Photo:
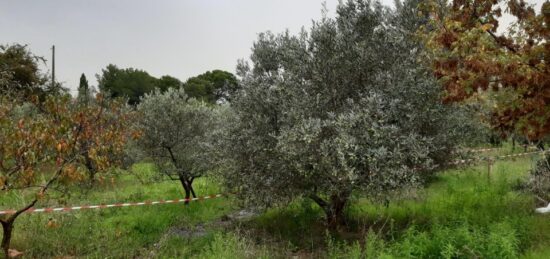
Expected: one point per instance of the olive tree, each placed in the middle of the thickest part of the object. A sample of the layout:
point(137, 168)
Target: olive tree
point(346, 107)
point(173, 129)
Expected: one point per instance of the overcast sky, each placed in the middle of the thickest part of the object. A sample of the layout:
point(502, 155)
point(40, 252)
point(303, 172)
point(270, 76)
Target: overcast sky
point(182, 38)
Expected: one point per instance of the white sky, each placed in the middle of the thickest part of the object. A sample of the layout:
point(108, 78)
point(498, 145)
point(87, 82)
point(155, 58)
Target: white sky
point(181, 38)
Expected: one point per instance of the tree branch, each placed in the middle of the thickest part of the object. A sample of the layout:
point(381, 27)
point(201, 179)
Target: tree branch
point(322, 203)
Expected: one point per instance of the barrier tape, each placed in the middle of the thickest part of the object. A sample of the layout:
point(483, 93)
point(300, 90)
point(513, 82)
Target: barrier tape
point(520, 154)
point(115, 205)
point(464, 161)
point(480, 150)
point(132, 204)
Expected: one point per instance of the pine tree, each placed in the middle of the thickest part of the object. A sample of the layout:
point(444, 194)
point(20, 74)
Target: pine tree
point(83, 90)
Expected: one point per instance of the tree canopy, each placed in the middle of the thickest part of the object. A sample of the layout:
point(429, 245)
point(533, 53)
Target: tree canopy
point(173, 129)
point(83, 84)
point(344, 107)
point(19, 72)
point(129, 83)
point(84, 92)
point(166, 82)
point(41, 147)
point(470, 56)
point(213, 86)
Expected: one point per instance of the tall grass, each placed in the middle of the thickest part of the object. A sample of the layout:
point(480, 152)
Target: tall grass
point(462, 214)
point(231, 245)
point(114, 232)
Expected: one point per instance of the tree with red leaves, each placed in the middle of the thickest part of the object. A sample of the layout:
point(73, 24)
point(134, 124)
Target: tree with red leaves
point(471, 57)
point(44, 145)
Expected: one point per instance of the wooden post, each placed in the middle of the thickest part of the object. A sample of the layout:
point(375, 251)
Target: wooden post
point(53, 67)
point(489, 166)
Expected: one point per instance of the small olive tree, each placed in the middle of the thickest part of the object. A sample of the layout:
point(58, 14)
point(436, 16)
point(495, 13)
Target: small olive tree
point(344, 107)
point(173, 130)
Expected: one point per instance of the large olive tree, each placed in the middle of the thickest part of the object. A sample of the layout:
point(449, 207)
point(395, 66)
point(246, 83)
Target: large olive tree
point(173, 130)
point(342, 108)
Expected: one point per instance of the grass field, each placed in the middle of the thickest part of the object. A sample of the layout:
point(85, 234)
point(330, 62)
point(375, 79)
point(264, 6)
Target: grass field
point(463, 213)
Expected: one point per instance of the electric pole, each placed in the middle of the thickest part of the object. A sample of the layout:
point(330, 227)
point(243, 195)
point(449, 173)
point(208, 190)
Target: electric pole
point(53, 67)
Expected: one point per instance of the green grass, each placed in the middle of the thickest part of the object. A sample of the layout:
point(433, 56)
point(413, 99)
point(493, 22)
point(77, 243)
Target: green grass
point(216, 244)
point(463, 213)
point(115, 232)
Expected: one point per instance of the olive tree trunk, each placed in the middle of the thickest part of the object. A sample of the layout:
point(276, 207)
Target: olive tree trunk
point(187, 184)
point(333, 208)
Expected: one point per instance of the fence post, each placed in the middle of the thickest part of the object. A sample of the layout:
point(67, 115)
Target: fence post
point(489, 166)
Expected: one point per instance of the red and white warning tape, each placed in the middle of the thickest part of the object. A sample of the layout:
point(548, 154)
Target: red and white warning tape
point(103, 206)
point(520, 154)
point(479, 150)
point(464, 161)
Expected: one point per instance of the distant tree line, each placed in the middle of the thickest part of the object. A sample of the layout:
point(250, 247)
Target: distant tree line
point(20, 73)
point(214, 86)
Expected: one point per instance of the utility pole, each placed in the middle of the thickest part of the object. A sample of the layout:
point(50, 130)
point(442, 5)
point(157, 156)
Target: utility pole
point(53, 67)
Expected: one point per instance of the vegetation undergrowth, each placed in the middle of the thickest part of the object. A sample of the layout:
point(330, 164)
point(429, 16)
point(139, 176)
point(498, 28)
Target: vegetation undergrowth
point(115, 232)
point(463, 213)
